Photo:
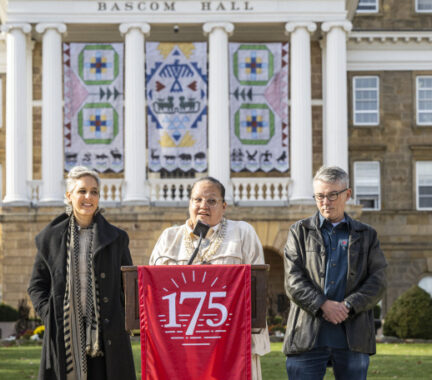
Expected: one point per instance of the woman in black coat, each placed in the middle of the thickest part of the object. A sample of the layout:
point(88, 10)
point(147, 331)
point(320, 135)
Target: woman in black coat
point(76, 289)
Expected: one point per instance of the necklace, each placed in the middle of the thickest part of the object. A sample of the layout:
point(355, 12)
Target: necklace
point(209, 250)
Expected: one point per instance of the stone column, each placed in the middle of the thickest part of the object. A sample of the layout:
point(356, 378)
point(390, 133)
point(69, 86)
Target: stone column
point(135, 121)
point(335, 131)
point(16, 114)
point(301, 111)
point(218, 104)
point(52, 113)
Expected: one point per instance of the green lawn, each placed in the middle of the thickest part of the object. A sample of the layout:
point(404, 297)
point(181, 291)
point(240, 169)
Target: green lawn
point(393, 361)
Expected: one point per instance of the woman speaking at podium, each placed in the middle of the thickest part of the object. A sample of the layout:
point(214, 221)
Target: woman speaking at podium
point(226, 242)
point(76, 289)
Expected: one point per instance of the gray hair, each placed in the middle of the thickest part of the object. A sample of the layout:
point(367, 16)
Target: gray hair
point(332, 174)
point(74, 175)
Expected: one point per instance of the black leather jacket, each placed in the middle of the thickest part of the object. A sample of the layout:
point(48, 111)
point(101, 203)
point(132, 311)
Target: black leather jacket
point(305, 265)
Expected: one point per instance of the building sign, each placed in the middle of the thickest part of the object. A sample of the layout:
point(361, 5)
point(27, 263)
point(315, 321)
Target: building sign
point(172, 6)
point(175, 11)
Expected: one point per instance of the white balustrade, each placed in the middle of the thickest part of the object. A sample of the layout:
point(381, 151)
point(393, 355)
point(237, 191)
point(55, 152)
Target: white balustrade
point(260, 191)
point(34, 189)
point(111, 190)
point(175, 192)
point(170, 192)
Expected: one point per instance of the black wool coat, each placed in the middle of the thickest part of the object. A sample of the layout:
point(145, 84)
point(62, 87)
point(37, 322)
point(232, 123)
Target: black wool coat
point(47, 289)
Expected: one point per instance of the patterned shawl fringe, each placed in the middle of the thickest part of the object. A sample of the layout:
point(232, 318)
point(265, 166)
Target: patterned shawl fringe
point(81, 338)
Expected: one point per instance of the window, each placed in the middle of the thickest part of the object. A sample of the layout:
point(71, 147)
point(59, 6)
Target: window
point(367, 6)
point(424, 100)
point(426, 284)
point(365, 100)
point(424, 185)
point(367, 184)
point(423, 5)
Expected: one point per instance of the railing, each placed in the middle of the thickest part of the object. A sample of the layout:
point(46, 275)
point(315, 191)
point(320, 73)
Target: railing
point(261, 191)
point(111, 190)
point(34, 190)
point(175, 192)
point(170, 192)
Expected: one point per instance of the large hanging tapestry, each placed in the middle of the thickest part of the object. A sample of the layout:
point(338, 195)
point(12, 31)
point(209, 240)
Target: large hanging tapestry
point(177, 106)
point(93, 110)
point(259, 107)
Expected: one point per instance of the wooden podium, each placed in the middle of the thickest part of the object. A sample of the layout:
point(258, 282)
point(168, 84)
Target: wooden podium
point(258, 296)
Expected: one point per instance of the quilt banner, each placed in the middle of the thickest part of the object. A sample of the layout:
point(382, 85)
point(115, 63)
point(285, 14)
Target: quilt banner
point(195, 322)
point(93, 106)
point(259, 107)
point(177, 106)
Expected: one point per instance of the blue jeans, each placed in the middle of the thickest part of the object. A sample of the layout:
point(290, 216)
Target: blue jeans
point(311, 365)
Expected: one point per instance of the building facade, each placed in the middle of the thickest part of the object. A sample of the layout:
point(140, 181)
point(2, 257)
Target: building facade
point(360, 97)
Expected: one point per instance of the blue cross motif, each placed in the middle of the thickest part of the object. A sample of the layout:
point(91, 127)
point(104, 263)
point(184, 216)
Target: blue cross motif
point(254, 124)
point(98, 64)
point(253, 65)
point(98, 123)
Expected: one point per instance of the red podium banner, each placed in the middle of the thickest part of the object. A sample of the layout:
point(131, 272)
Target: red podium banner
point(195, 322)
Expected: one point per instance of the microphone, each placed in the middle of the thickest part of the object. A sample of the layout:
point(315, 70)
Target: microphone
point(200, 230)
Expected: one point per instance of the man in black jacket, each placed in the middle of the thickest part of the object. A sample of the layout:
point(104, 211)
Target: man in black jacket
point(334, 276)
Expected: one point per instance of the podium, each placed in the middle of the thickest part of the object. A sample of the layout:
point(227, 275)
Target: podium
point(258, 296)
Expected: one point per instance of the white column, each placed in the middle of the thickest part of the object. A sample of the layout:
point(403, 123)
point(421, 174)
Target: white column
point(301, 111)
point(135, 122)
point(335, 133)
point(218, 104)
point(16, 114)
point(52, 113)
point(322, 45)
point(30, 47)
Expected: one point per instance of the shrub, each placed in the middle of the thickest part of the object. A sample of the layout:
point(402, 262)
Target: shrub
point(274, 328)
point(377, 311)
point(275, 323)
point(277, 320)
point(23, 322)
point(8, 313)
point(410, 315)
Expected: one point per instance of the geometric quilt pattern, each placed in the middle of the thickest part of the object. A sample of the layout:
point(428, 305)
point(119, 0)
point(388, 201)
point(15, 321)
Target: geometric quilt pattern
point(259, 107)
point(176, 85)
point(93, 96)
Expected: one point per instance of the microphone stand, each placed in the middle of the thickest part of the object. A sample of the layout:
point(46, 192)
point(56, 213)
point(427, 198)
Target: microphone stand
point(200, 230)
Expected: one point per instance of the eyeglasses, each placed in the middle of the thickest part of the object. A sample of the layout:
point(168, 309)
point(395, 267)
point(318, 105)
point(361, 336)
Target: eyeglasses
point(209, 202)
point(331, 197)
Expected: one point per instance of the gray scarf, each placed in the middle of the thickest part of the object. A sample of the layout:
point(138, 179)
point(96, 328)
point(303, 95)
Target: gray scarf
point(81, 327)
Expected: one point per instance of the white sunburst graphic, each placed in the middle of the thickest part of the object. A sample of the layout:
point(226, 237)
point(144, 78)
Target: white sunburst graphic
point(210, 319)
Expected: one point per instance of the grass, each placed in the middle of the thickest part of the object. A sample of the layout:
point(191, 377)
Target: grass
point(393, 361)
point(19, 362)
point(402, 361)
